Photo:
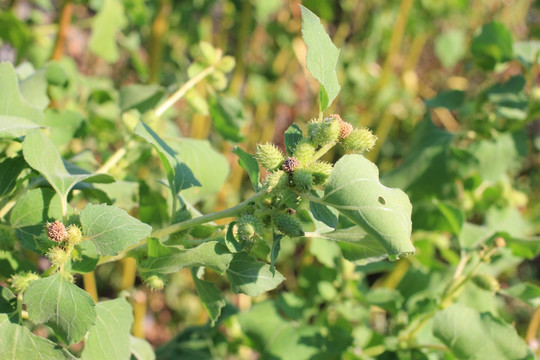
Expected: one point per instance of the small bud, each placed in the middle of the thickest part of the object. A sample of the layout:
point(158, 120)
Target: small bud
point(320, 171)
point(345, 129)
point(304, 152)
point(276, 180)
point(360, 140)
point(156, 282)
point(486, 282)
point(74, 235)
point(19, 282)
point(269, 156)
point(58, 255)
point(324, 132)
point(288, 225)
point(249, 227)
point(57, 231)
point(290, 164)
point(499, 242)
point(302, 180)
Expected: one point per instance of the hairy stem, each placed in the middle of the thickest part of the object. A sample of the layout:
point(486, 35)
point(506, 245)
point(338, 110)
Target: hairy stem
point(183, 89)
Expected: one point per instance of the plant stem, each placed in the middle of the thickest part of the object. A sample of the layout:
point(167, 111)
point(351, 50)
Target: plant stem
point(323, 150)
point(90, 285)
point(114, 159)
point(188, 224)
point(160, 26)
point(235, 210)
point(183, 89)
point(65, 20)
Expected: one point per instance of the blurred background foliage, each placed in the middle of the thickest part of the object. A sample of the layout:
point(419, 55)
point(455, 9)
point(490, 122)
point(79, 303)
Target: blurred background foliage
point(454, 105)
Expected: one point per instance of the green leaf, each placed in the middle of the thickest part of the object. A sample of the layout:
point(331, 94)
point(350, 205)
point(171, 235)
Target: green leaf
point(478, 336)
point(471, 236)
point(353, 188)
point(34, 89)
point(291, 138)
point(178, 173)
point(274, 252)
point(16, 114)
point(322, 57)
point(526, 292)
point(8, 302)
point(16, 32)
point(248, 163)
point(66, 308)
point(450, 47)
point(250, 276)
point(210, 167)
point(10, 169)
point(210, 296)
point(227, 116)
point(451, 99)
point(41, 154)
point(453, 215)
point(63, 124)
point(18, 343)
point(231, 242)
point(493, 45)
point(324, 214)
point(89, 258)
point(110, 338)
point(140, 97)
point(31, 212)
point(356, 245)
point(326, 251)
point(141, 349)
point(107, 24)
point(111, 229)
point(387, 299)
point(209, 254)
point(528, 51)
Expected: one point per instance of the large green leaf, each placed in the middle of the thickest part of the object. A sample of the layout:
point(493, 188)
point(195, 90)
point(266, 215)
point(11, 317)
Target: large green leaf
point(18, 343)
point(249, 276)
point(210, 254)
point(110, 338)
point(108, 22)
point(492, 45)
point(208, 165)
point(41, 154)
point(141, 349)
point(210, 296)
point(178, 173)
point(322, 57)
point(140, 97)
point(248, 163)
point(353, 188)
point(66, 308)
point(111, 229)
point(31, 212)
point(478, 336)
point(356, 245)
point(16, 115)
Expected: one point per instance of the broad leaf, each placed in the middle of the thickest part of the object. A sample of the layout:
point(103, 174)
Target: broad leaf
point(450, 47)
point(249, 276)
point(451, 100)
point(110, 338)
point(492, 45)
point(356, 245)
point(322, 57)
point(291, 138)
point(210, 296)
point(141, 349)
point(353, 188)
point(111, 229)
point(478, 336)
point(41, 154)
point(16, 115)
point(248, 163)
point(18, 343)
point(324, 214)
point(227, 116)
point(107, 23)
point(231, 242)
point(66, 308)
point(178, 173)
point(10, 169)
point(210, 254)
point(140, 97)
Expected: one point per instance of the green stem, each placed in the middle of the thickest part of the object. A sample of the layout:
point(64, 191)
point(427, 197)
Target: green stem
point(171, 229)
point(49, 271)
point(323, 150)
point(183, 90)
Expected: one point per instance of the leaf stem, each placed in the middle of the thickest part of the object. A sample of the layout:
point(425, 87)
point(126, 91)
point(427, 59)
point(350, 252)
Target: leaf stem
point(183, 89)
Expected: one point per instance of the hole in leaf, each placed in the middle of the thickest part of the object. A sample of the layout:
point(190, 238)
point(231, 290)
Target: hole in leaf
point(382, 201)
